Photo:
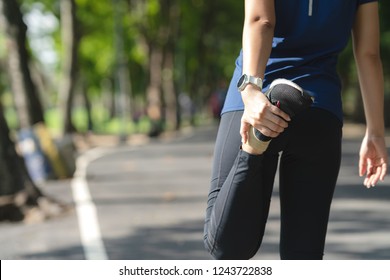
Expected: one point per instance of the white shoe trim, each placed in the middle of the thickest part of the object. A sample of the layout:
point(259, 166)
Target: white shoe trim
point(285, 81)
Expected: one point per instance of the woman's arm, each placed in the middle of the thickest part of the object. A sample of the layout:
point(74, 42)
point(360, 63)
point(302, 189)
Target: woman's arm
point(257, 35)
point(257, 38)
point(366, 46)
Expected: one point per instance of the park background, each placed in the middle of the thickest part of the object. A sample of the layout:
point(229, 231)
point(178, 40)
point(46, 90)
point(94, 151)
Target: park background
point(73, 72)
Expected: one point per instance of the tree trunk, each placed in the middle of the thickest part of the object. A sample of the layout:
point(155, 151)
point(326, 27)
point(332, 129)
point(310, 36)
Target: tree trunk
point(69, 62)
point(10, 182)
point(169, 90)
point(122, 75)
point(27, 103)
point(171, 14)
point(199, 91)
point(20, 198)
point(87, 104)
point(161, 91)
point(153, 92)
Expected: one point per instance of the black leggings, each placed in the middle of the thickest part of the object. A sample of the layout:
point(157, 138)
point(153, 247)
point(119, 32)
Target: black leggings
point(241, 187)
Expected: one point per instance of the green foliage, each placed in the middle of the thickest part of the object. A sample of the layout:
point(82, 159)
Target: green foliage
point(207, 42)
point(105, 124)
point(96, 52)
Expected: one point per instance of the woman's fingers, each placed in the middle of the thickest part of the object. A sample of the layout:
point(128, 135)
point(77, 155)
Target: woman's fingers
point(383, 171)
point(376, 171)
point(277, 112)
point(262, 115)
point(269, 124)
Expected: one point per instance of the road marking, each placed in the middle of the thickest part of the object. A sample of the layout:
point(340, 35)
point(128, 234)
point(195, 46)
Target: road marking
point(91, 238)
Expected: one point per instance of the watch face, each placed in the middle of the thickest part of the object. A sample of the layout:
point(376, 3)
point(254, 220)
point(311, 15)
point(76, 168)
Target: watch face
point(241, 81)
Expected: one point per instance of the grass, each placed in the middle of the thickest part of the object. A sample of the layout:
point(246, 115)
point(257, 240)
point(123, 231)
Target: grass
point(101, 122)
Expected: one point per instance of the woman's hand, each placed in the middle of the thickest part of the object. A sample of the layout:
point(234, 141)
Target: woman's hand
point(261, 114)
point(373, 160)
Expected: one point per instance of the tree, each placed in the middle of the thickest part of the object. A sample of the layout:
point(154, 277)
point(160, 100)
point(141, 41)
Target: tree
point(122, 88)
point(155, 33)
point(69, 62)
point(26, 98)
point(20, 198)
point(209, 42)
point(200, 38)
point(10, 185)
point(18, 193)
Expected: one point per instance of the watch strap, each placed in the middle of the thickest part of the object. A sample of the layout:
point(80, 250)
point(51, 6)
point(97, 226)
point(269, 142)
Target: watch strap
point(256, 81)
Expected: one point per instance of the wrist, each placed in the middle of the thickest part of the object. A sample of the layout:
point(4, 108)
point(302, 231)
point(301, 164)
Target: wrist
point(250, 93)
point(251, 89)
point(248, 80)
point(378, 132)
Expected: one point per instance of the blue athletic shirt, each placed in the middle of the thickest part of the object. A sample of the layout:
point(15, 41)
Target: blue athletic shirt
point(308, 37)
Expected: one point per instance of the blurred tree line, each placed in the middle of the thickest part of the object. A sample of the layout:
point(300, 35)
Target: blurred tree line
point(131, 58)
point(130, 65)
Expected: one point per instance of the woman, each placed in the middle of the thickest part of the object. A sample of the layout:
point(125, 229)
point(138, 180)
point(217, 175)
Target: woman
point(298, 40)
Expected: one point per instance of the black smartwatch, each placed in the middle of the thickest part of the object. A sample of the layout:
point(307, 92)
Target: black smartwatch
point(247, 79)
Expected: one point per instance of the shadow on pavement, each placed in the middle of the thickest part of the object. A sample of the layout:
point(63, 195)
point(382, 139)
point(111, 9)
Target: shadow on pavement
point(149, 211)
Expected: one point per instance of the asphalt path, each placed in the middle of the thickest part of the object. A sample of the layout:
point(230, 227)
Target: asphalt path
point(148, 201)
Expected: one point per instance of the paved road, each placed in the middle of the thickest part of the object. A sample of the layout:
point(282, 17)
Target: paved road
point(150, 201)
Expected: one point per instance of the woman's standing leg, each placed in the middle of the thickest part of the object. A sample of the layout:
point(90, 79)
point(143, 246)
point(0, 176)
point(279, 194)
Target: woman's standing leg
point(308, 173)
point(239, 197)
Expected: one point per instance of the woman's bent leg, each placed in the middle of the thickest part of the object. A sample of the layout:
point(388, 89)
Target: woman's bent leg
point(239, 196)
